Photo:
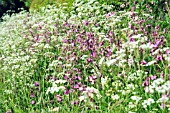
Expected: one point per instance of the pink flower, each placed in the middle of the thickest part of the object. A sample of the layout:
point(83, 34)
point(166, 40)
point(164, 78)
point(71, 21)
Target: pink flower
point(110, 33)
point(58, 98)
point(88, 60)
point(133, 8)
point(80, 88)
point(143, 62)
point(92, 79)
point(76, 102)
point(112, 13)
point(134, 2)
point(169, 76)
point(159, 57)
point(153, 77)
point(162, 105)
point(78, 77)
point(145, 83)
point(93, 54)
point(150, 9)
point(131, 39)
point(167, 51)
point(86, 23)
point(157, 43)
point(67, 92)
point(65, 77)
point(157, 27)
point(76, 86)
point(130, 26)
point(165, 30)
point(72, 102)
point(36, 83)
point(32, 95)
point(107, 15)
point(32, 102)
point(111, 40)
point(162, 75)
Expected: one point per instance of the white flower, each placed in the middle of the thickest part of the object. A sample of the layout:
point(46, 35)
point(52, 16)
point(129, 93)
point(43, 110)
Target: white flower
point(110, 62)
point(93, 90)
point(101, 60)
point(137, 36)
point(133, 44)
point(151, 63)
point(84, 57)
point(103, 81)
point(131, 105)
point(47, 46)
point(147, 15)
point(8, 91)
point(151, 100)
point(131, 112)
point(26, 57)
point(81, 98)
point(54, 88)
point(60, 81)
point(148, 102)
point(33, 61)
point(158, 81)
point(115, 97)
point(164, 98)
point(144, 104)
point(136, 98)
point(55, 109)
point(146, 46)
point(149, 89)
point(130, 86)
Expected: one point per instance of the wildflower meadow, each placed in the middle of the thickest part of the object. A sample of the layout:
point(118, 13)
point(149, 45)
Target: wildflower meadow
point(92, 59)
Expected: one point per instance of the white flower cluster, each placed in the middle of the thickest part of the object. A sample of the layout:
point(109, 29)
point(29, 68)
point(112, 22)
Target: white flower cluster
point(115, 97)
point(163, 99)
point(136, 75)
point(148, 102)
point(104, 81)
point(159, 86)
point(136, 98)
point(55, 87)
point(146, 46)
point(90, 92)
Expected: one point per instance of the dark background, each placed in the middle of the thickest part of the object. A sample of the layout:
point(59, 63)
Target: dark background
point(13, 5)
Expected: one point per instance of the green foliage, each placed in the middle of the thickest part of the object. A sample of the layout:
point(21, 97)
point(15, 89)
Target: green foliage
point(11, 6)
point(66, 4)
point(156, 7)
point(27, 2)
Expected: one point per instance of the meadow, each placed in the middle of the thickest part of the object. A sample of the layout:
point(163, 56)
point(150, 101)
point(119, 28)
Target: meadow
point(92, 59)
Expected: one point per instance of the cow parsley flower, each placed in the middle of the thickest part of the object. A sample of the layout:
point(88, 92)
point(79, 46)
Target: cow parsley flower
point(136, 98)
point(148, 102)
point(115, 97)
